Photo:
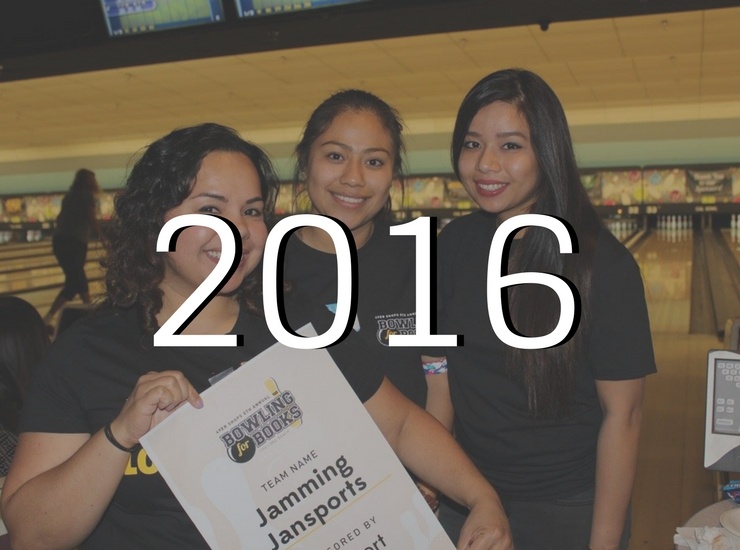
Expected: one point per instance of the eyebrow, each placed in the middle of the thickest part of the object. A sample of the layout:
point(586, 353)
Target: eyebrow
point(348, 148)
point(221, 198)
point(499, 134)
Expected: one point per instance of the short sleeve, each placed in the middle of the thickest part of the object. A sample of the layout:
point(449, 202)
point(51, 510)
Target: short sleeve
point(620, 344)
point(51, 404)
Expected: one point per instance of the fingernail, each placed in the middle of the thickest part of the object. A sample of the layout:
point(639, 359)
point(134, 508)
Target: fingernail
point(199, 403)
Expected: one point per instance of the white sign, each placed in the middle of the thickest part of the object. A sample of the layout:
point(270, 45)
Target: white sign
point(283, 455)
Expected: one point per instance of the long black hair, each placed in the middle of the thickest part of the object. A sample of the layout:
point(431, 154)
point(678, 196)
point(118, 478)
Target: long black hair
point(548, 374)
point(23, 342)
point(159, 181)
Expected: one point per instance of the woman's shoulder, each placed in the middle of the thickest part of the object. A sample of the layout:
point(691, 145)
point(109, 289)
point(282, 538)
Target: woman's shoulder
point(470, 220)
point(382, 241)
point(298, 251)
point(615, 267)
point(470, 228)
point(611, 250)
point(102, 326)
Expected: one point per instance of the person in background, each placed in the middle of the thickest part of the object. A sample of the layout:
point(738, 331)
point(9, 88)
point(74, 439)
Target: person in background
point(76, 224)
point(23, 342)
point(103, 384)
point(555, 430)
point(350, 153)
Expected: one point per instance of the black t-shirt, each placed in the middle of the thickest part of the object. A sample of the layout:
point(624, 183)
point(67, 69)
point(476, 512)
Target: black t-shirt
point(386, 298)
point(76, 219)
point(90, 371)
point(556, 458)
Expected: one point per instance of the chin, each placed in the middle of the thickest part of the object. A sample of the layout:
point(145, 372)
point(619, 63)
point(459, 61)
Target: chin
point(232, 287)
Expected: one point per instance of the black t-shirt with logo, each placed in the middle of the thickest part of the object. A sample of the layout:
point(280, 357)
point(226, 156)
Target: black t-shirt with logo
point(90, 371)
point(386, 293)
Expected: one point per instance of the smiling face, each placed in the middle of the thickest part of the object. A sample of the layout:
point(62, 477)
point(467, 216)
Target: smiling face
point(350, 171)
point(227, 184)
point(497, 163)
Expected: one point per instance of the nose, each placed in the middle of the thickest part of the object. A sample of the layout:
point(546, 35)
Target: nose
point(352, 175)
point(488, 161)
point(242, 226)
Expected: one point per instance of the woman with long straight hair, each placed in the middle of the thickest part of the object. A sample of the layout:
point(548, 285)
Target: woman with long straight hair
point(555, 430)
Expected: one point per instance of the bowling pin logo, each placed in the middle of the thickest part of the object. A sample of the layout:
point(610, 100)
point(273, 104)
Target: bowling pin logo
point(273, 388)
point(269, 419)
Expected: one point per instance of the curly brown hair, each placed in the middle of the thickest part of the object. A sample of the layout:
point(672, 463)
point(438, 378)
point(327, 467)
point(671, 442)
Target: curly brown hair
point(159, 181)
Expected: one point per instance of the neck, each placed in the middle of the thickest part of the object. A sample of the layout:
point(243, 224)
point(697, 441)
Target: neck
point(318, 239)
point(218, 317)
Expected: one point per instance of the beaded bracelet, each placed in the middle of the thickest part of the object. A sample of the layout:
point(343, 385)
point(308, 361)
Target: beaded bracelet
point(435, 367)
point(109, 435)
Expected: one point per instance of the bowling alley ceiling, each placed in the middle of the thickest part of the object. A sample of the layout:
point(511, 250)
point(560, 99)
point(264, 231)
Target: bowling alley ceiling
point(646, 76)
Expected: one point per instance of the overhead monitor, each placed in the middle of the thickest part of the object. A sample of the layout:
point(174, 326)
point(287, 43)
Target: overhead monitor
point(255, 8)
point(126, 17)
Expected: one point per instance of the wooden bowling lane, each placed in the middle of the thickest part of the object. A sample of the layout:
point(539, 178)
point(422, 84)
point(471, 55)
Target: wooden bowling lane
point(41, 277)
point(732, 239)
point(672, 483)
point(30, 271)
point(18, 250)
point(38, 258)
point(23, 255)
point(665, 260)
point(42, 298)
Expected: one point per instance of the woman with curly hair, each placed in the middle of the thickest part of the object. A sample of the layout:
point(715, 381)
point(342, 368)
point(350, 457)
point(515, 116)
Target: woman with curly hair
point(79, 476)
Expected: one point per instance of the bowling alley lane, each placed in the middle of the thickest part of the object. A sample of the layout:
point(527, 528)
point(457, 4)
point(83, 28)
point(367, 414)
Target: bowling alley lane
point(21, 280)
point(672, 483)
point(38, 257)
point(30, 270)
point(15, 249)
point(41, 298)
point(665, 260)
point(732, 238)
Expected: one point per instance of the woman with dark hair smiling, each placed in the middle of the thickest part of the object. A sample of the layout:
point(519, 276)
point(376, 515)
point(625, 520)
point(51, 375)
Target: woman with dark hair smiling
point(349, 155)
point(103, 384)
point(555, 430)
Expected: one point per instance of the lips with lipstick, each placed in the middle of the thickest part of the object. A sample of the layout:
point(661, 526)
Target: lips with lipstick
point(490, 188)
